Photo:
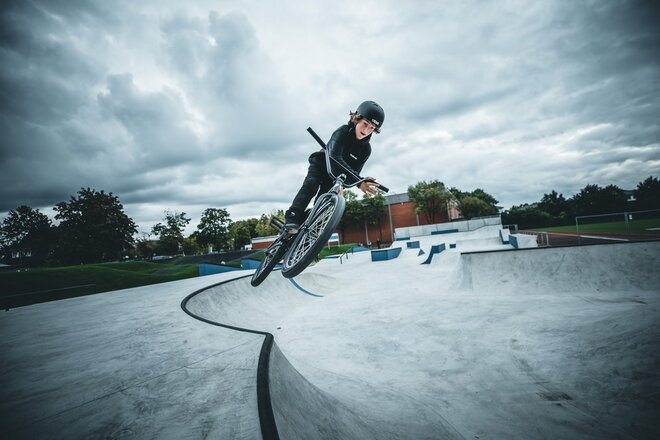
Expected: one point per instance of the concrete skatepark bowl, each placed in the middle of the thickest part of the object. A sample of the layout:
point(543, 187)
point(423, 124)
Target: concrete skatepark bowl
point(504, 344)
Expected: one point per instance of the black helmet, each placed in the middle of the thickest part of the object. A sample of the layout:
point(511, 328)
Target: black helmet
point(372, 112)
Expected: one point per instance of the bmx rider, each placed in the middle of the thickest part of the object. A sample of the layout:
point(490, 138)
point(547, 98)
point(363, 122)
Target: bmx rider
point(350, 146)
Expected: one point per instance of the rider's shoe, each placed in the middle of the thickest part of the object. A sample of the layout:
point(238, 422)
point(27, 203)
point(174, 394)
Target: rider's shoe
point(292, 220)
point(292, 228)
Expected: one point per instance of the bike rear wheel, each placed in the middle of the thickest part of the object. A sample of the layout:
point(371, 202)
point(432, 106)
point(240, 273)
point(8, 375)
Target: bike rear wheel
point(313, 235)
point(272, 256)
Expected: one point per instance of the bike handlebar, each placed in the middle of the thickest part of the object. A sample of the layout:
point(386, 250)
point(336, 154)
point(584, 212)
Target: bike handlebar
point(358, 179)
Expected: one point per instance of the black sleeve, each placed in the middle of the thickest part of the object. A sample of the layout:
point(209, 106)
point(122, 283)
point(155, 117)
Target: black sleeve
point(337, 149)
point(364, 159)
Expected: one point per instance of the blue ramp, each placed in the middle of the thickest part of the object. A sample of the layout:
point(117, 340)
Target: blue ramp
point(210, 269)
point(435, 249)
point(385, 254)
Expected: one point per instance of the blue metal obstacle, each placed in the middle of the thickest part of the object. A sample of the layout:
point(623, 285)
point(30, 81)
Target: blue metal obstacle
point(385, 254)
point(435, 249)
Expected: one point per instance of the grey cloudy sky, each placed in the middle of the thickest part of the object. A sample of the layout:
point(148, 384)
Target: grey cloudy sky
point(189, 105)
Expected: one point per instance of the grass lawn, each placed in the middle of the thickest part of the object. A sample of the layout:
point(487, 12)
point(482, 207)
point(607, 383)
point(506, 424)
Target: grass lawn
point(47, 284)
point(335, 250)
point(94, 277)
point(325, 252)
point(643, 226)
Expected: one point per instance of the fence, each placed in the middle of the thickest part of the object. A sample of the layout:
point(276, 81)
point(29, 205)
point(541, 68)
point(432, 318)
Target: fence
point(620, 226)
point(454, 226)
point(542, 238)
point(603, 228)
point(513, 229)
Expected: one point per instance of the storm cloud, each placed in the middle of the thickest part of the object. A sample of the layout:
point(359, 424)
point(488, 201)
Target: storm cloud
point(206, 106)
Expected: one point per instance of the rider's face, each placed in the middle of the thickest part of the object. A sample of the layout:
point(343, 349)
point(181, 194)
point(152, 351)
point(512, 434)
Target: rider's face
point(363, 129)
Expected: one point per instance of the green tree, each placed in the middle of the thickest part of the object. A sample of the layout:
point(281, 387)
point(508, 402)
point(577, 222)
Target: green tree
point(374, 207)
point(526, 217)
point(614, 198)
point(554, 204)
point(472, 207)
point(189, 246)
point(586, 201)
point(457, 193)
point(251, 224)
point(170, 233)
point(647, 194)
point(487, 198)
point(144, 246)
point(213, 229)
point(430, 198)
point(353, 213)
point(477, 203)
point(93, 228)
point(240, 233)
point(592, 200)
point(26, 229)
point(263, 227)
point(558, 208)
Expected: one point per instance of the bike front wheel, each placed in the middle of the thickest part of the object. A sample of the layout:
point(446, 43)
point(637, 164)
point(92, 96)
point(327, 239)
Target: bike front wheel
point(314, 234)
point(272, 256)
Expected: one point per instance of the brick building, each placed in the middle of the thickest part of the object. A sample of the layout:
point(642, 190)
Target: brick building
point(399, 213)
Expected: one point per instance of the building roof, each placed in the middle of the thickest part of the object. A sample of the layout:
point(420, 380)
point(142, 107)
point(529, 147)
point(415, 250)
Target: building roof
point(393, 199)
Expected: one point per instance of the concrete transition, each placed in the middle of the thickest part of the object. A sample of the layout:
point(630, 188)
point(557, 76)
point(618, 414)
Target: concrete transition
point(503, 344)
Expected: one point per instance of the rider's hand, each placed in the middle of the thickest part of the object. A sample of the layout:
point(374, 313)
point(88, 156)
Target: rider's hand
point(369, 188)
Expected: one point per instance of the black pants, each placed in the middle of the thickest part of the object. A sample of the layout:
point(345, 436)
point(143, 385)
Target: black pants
point(316, 182)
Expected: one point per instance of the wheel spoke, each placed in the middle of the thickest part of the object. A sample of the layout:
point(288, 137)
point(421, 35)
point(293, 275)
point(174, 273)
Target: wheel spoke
point(269, 255)
point(312, 233)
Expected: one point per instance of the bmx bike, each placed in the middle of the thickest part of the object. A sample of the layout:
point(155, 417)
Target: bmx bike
point(298, 250)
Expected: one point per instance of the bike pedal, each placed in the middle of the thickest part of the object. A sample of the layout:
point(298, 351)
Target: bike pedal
point(276, 223)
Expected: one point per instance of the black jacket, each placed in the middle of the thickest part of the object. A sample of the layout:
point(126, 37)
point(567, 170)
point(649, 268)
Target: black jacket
point(350, 152)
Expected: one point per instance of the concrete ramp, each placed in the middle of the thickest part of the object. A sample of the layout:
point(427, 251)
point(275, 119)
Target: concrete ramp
point(401, 350)
point(334, 405)
point(607, 267)
point(304, 411)
point(481, 244)
point(238, 304)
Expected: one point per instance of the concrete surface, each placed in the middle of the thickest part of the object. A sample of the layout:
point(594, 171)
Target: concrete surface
point(515, 344)
point(125, 364)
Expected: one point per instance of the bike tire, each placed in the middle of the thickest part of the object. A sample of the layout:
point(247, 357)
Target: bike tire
point(272, 256)
point(311, 239)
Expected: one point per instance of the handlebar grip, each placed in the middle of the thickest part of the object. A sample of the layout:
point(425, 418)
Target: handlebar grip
point(316, 136)
point(380, 186)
